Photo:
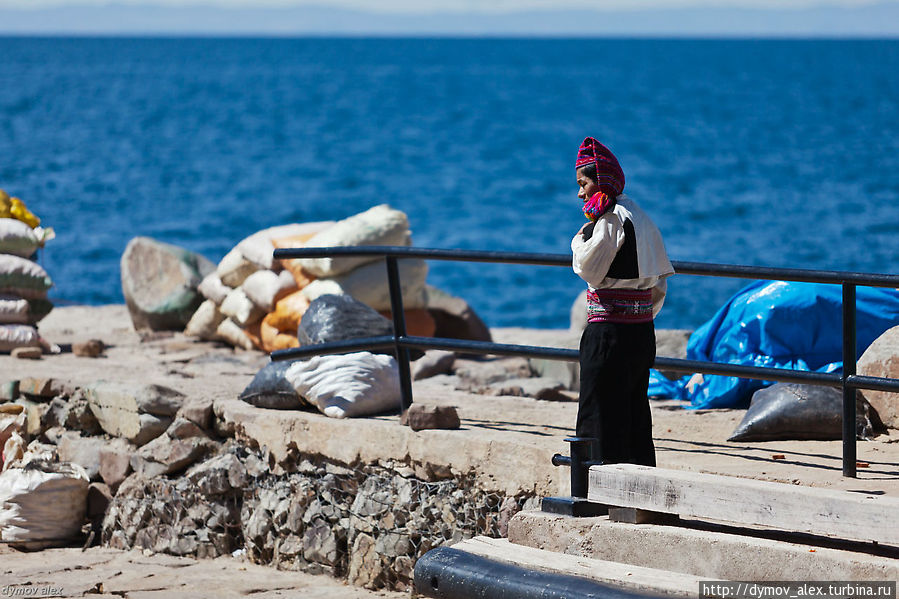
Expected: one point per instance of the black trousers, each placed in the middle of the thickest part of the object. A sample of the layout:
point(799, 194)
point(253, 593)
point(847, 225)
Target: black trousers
point(613, 407)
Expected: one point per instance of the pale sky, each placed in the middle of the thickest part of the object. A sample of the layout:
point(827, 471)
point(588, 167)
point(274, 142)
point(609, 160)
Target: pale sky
point(477, 6)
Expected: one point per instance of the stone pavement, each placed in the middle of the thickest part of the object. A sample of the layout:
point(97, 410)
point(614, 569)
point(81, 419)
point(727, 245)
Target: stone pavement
point(134, 574)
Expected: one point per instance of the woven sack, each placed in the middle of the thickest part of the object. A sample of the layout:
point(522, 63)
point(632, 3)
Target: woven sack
point(381, 225)
point(42, 501)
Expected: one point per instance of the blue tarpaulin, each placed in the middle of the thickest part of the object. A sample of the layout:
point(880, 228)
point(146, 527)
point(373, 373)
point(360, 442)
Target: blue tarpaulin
point(777, 324)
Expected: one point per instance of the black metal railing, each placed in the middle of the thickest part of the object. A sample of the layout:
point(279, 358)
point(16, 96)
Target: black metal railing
point(848, 380)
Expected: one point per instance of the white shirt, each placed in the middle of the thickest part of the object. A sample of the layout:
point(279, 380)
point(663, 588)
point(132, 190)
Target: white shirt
point(592, 258)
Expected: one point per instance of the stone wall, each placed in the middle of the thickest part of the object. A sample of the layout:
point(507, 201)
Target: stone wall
point(367, 523)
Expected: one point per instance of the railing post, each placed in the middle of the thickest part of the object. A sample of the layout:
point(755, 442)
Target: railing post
point(849, 393)
point(399, 331)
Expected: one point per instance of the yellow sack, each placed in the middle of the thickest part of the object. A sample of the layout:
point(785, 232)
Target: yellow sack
point(15, 208)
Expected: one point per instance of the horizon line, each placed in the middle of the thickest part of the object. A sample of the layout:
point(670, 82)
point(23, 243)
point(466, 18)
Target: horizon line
point(363, 35)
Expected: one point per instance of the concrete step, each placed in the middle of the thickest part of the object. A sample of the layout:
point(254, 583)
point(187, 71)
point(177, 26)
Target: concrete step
point(632, 578)
point(746, 502)
point(705, 550)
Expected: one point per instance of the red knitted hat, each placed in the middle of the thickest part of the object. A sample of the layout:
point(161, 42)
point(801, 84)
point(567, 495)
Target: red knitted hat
point(608, 172)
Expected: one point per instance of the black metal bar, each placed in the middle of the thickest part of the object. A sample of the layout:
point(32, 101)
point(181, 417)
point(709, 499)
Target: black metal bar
point(688, 268)
point(785, 274)
point(848, 381)
point(428, 254)
point(399, 332)
point(449, 573)
point(782, 375)
point(487, 347)
point(875, 383)
point(333, 347)
point(849, 393)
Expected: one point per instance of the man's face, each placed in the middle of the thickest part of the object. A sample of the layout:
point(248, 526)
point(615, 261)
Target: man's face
point(587, 186)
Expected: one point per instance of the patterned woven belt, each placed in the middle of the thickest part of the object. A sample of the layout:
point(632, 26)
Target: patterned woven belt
point(619, 305)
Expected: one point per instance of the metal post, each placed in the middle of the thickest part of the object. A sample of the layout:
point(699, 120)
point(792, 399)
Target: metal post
point(399, 331)
point(579, 461)
point(581, 453)
point(849, 393)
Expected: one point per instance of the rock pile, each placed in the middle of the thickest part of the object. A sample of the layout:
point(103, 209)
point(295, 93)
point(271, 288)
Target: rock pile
point(368, 524)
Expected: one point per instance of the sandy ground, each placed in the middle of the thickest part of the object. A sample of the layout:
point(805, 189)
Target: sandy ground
point(685, 439)
point(134, 574)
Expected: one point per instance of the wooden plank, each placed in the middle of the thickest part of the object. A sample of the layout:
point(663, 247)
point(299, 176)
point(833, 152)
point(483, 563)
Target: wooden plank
point(636, 578)
point(744, 501)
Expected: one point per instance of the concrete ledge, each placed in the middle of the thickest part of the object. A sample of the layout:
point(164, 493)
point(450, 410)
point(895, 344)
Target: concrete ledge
point(703, 553)
point(632, 578)
point(500, 461)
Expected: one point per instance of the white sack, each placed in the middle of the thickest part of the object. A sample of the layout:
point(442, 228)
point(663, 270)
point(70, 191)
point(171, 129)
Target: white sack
point(20, 239)
point(42, 502)
point(22, 277)
point(212, 288)
point(381, 225)
point(348, 385)
point(18, 310)
point(205, 321)
point(18, 335)
point(238, 307)
point(14, 309)
point(230, 332)
point(369, 285)
point(258, 248)
point(234, 269)
point(262, 287)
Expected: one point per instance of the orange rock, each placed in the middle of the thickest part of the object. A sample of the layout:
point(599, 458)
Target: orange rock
point(292, 265)
point(288, 313)
point(253, 332)
point(419, 322)
point(272, 339)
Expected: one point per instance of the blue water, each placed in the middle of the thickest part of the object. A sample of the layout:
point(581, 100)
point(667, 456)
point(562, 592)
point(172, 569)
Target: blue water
point(776, 153)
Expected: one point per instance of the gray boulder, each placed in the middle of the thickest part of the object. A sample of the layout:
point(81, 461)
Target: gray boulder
point(165, 455)
point(432, 363)
point(672, 343)
point(537, 387)
point(72, 413)
point(218, 475)
point(84, 451)
point(115, 465)
point(198, 411)
point(420, 417)
point(160, 283)
point(182, 428)
point(477, 375)
point(137, 413)
point(882, 359)
point(567, 373)
point(579, 312)
point(182, 444)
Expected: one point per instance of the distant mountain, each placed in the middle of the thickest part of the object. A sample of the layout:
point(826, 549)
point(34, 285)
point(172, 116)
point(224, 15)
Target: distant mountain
point(874, 20)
